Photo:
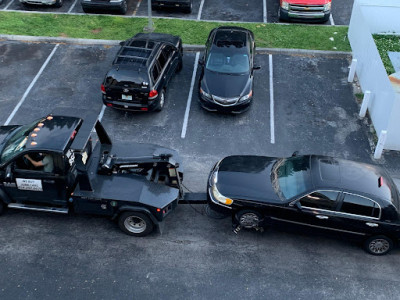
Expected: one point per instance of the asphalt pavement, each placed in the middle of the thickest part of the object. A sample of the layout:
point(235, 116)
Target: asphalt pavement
point(312, 109)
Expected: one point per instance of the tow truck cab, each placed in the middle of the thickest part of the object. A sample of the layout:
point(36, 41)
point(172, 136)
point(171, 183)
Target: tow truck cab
point(138, 183)
point(305, 10)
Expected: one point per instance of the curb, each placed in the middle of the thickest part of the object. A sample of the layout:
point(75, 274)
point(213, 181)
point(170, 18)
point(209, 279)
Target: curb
point(44, 39)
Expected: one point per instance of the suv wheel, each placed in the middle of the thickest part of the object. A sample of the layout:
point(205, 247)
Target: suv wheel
point(378, 245)
point(161, 101)
point(249, 219)
point(58, 3)
point(135, 223)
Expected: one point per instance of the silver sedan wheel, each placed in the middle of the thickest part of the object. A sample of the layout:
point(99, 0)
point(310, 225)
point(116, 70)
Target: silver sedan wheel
point(379, 246)
point(135, 224)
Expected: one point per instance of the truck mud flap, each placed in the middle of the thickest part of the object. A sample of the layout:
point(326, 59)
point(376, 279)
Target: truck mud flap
point(194, 198)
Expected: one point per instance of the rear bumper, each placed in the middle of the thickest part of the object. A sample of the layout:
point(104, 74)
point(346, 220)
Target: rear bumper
point(102, 5)
point(129, 106)
point(303, 16)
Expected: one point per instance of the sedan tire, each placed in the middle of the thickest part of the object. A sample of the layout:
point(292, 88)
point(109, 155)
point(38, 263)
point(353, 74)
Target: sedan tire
point(135, 223)
point(378, 245)
point(58, 3)
point(249, 219)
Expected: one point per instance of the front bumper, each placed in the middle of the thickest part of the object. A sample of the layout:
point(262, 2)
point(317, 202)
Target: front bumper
point(101, 5)
point(38, 2)
point(170, 4)
point(312, 16)
point(238, 108)
point(131, 105)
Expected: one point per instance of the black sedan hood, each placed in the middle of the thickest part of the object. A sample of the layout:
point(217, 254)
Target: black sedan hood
point(247, 178)
point(225, 85)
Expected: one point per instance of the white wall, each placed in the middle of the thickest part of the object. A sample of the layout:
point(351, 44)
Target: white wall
point(384, 105)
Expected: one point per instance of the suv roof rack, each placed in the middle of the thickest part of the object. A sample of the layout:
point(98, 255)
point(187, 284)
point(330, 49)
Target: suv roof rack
point(136, 52)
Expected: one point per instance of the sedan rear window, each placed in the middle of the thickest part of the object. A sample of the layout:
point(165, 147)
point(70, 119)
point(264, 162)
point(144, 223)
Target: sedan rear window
point(357, 205)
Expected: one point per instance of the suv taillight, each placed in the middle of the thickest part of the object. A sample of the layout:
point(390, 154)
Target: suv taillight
point(153, 94)
point(103, 89)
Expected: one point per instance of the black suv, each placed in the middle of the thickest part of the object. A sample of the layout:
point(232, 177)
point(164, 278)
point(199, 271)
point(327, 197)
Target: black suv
point(140, 72)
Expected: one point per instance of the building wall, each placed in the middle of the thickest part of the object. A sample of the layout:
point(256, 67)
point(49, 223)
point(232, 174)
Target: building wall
point(384, 107)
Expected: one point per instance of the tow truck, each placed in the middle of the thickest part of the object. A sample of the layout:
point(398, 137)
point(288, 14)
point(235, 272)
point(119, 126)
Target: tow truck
point(136, 184)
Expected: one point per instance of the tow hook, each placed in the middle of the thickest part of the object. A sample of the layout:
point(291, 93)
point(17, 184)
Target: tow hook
point(237, 229)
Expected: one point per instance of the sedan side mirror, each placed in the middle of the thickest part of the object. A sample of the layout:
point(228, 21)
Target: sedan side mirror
point(256, 67)
point(122, 43)
point(295, 153)
point(295, 204)
point(201, 61)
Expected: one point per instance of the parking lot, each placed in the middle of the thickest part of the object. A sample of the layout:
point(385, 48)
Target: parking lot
point(216, 10)
point(312, 109)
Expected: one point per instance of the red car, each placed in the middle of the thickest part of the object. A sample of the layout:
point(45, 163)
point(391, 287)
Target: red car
point(305, 10)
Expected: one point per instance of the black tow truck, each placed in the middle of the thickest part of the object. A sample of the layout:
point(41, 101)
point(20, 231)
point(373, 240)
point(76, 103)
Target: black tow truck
point(81, 171)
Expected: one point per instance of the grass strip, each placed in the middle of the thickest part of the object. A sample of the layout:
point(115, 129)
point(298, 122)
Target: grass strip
point(386, 43)
point(291, 36)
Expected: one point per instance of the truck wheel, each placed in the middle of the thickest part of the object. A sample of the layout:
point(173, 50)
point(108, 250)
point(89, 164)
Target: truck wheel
point(378, 245)
point(124, 8)
point(135, 223)
point(58, 3)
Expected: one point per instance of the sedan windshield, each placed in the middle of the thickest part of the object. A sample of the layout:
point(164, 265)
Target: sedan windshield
point(228, 62)
point(16, 141)
point(291, 177)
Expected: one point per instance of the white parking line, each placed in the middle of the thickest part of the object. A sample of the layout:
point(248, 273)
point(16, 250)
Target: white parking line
point(137, 8)
point(189, 100)
point(271, 98)
point(100, 117)
point(72, 7)
point(31, 86)
point(8, 5)
point(200, 10)
point(265, 11)
point(331, 20)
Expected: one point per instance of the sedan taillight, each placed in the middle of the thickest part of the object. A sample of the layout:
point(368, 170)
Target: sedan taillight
point(103, 89)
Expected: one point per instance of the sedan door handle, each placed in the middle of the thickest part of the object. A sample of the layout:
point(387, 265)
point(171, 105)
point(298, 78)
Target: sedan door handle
point(322, 217)
point(372, 224)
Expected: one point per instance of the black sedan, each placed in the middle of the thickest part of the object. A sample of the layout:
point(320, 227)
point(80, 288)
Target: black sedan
point(343, 197)
point(226, 80)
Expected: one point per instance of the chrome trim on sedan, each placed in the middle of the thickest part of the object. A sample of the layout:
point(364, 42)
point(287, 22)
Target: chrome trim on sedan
point(316, 226)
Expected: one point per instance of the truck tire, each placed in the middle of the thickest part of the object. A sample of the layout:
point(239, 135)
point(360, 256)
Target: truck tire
point(135, 223)
point(124, 8)
point(58, 3)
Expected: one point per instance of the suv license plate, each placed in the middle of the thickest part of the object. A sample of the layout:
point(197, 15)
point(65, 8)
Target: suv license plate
point(126, 97)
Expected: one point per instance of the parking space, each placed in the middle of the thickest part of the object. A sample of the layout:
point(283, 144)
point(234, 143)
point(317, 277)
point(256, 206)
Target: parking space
point(17, 71)
point(313, 111)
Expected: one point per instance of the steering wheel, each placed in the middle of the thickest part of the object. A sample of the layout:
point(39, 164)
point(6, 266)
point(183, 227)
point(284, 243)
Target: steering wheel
point(27, 162)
